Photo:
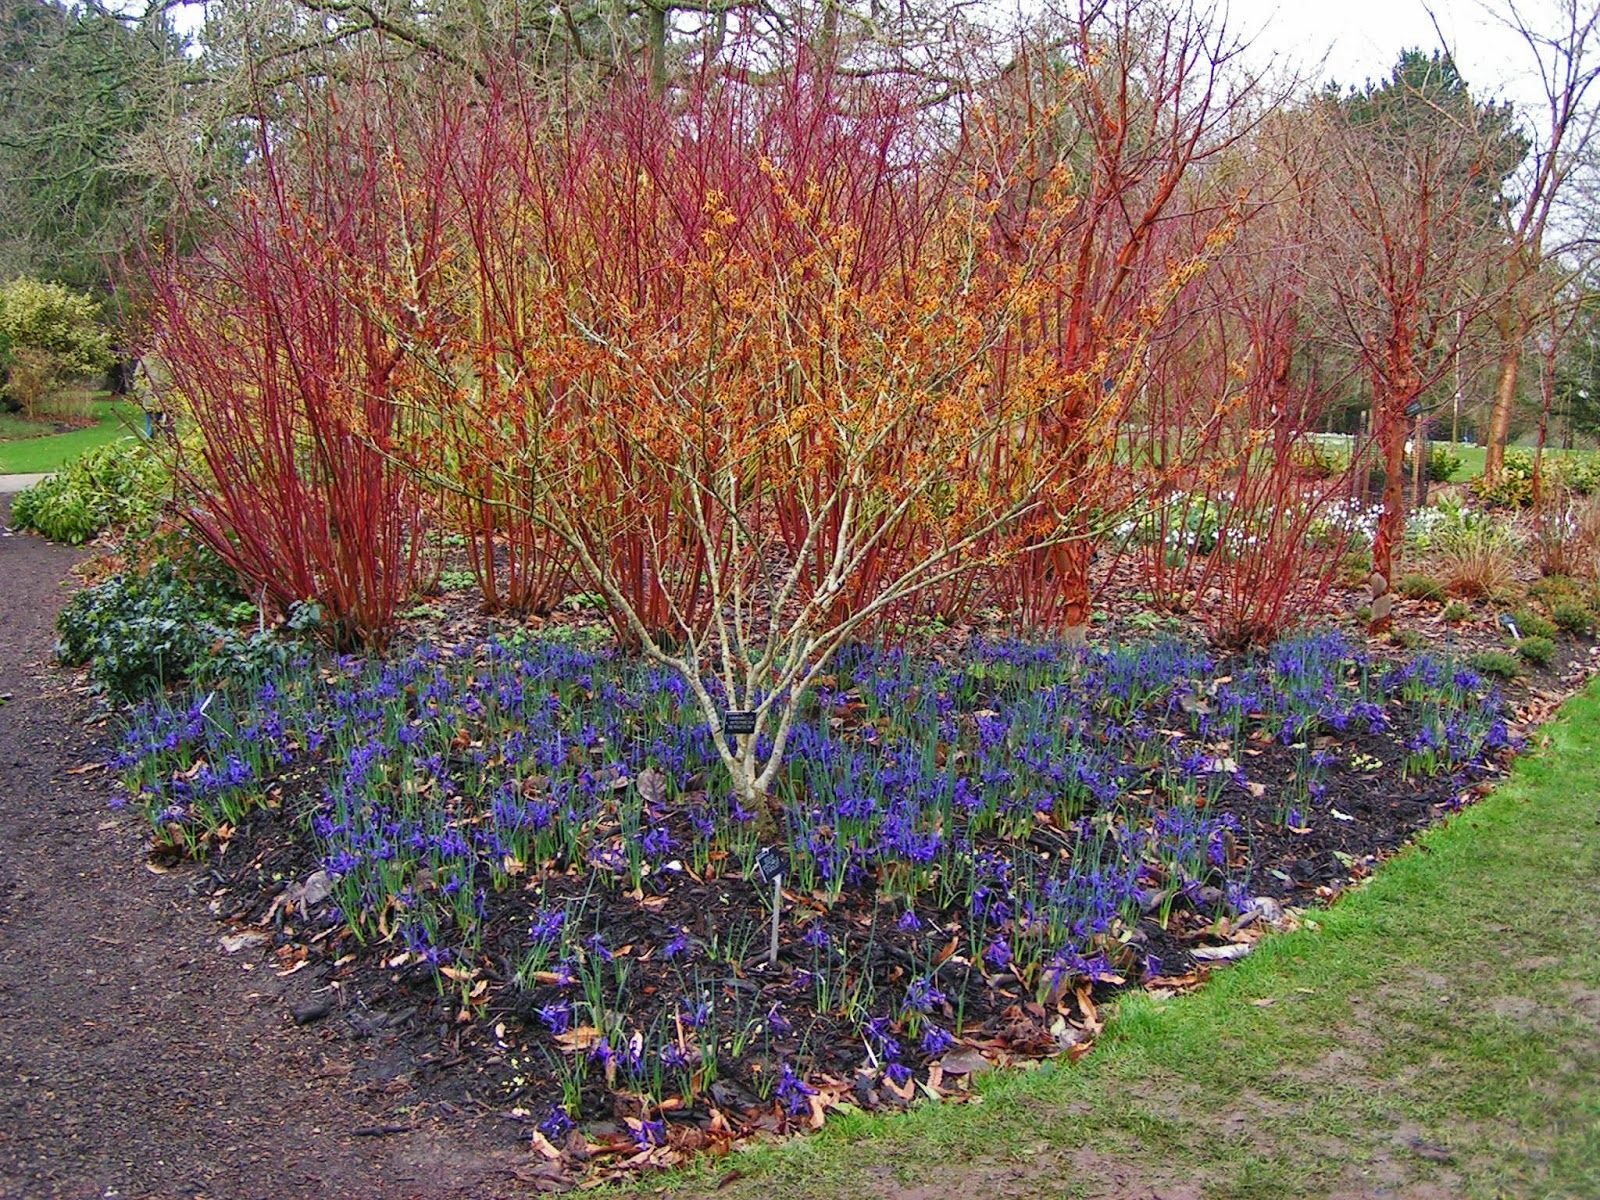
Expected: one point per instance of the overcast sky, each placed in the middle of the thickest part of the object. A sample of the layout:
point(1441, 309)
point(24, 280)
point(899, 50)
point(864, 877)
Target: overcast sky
point(1360, 39)
point(1354, 40)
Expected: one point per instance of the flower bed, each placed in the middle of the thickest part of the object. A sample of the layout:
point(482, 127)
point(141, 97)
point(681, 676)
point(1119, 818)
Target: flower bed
point(537, 841)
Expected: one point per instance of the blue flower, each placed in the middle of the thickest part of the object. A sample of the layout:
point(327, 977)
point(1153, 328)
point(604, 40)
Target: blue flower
point(556, 1125)
point(793, 1091)
point(649, 1133)
point(557, 1016)
point(678, 946)
point(922, 994)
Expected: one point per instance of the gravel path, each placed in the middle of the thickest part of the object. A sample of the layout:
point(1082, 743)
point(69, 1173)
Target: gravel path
point(17, 483)
point(136, 1059)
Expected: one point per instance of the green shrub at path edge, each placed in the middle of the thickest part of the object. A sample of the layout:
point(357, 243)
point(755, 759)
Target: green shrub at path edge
point(1540, 651)
point(121, 483)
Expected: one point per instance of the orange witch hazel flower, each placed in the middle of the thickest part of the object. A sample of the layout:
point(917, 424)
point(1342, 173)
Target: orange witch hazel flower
point(765, 368)
point(763, 416)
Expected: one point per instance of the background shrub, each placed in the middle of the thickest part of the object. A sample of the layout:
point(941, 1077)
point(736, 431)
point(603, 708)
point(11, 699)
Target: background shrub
point(1576, 474)
point(1443, 463)
point(1573, 616)
point(120, 483)
point(53, 334)
point(1321, 457)
point(1540, 651)
point(1514, 488)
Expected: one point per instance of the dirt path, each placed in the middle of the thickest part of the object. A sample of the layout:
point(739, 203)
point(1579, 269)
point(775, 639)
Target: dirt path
point(136, 1059)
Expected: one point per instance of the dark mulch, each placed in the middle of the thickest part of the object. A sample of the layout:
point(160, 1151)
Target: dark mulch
point(136, 1058)
point(490, 1060)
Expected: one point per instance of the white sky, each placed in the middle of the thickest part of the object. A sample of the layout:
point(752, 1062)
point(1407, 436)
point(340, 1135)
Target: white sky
point(1360, 39)
point(1352, 40)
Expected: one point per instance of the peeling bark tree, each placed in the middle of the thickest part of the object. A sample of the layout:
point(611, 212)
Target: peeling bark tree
point(1567, 67)
point(1416, 240)
point(1120, 103)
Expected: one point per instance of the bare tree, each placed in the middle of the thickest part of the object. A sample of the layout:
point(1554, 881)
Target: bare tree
point(1562, 141)
point(1412, 164)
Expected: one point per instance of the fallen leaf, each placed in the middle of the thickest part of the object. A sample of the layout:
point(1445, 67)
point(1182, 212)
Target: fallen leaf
point(580, 1037)
point(964, 1060)
point(652, 785)
point(234, 942)
point(1227, 953)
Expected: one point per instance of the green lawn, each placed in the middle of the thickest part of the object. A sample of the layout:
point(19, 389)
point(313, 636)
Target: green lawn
point(1471, 456)
point(23, 455)
point(1472, 460)
point(1436, 1034)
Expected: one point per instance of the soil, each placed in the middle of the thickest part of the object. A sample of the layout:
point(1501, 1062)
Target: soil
point(139, 1058)
point(136, 1058)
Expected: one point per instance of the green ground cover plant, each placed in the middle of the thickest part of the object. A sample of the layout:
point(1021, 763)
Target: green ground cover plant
point(1435, 1030)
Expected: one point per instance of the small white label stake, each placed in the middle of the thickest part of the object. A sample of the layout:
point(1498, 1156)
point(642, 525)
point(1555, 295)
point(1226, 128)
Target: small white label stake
point(777, 901)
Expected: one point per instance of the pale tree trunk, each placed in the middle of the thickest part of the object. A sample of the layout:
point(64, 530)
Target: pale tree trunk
point(1420, 455)
point(655, 21)
point(1547, 390)
point(1505, 399)
point(1391, 525)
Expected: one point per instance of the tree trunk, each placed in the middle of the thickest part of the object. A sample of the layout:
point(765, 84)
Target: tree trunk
point(1420, 455)
point(1505, 395)
point(1072, 571)
point(655, 20)
point(1391, 525)
point(1547, 387)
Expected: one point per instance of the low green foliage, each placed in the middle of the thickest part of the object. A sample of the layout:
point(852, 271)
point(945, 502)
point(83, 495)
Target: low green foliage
point(1573, 616)
point(115, 485)
point(1457, 610)
point(140, 631)
point(1556, 589)
point(1540, 651)
point(1498, 664)
point(1531, 625)
point(1421, 587)
point(1409, 639)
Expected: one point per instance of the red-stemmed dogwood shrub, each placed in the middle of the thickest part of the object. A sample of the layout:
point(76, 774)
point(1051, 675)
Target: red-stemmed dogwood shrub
point(288, 387)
